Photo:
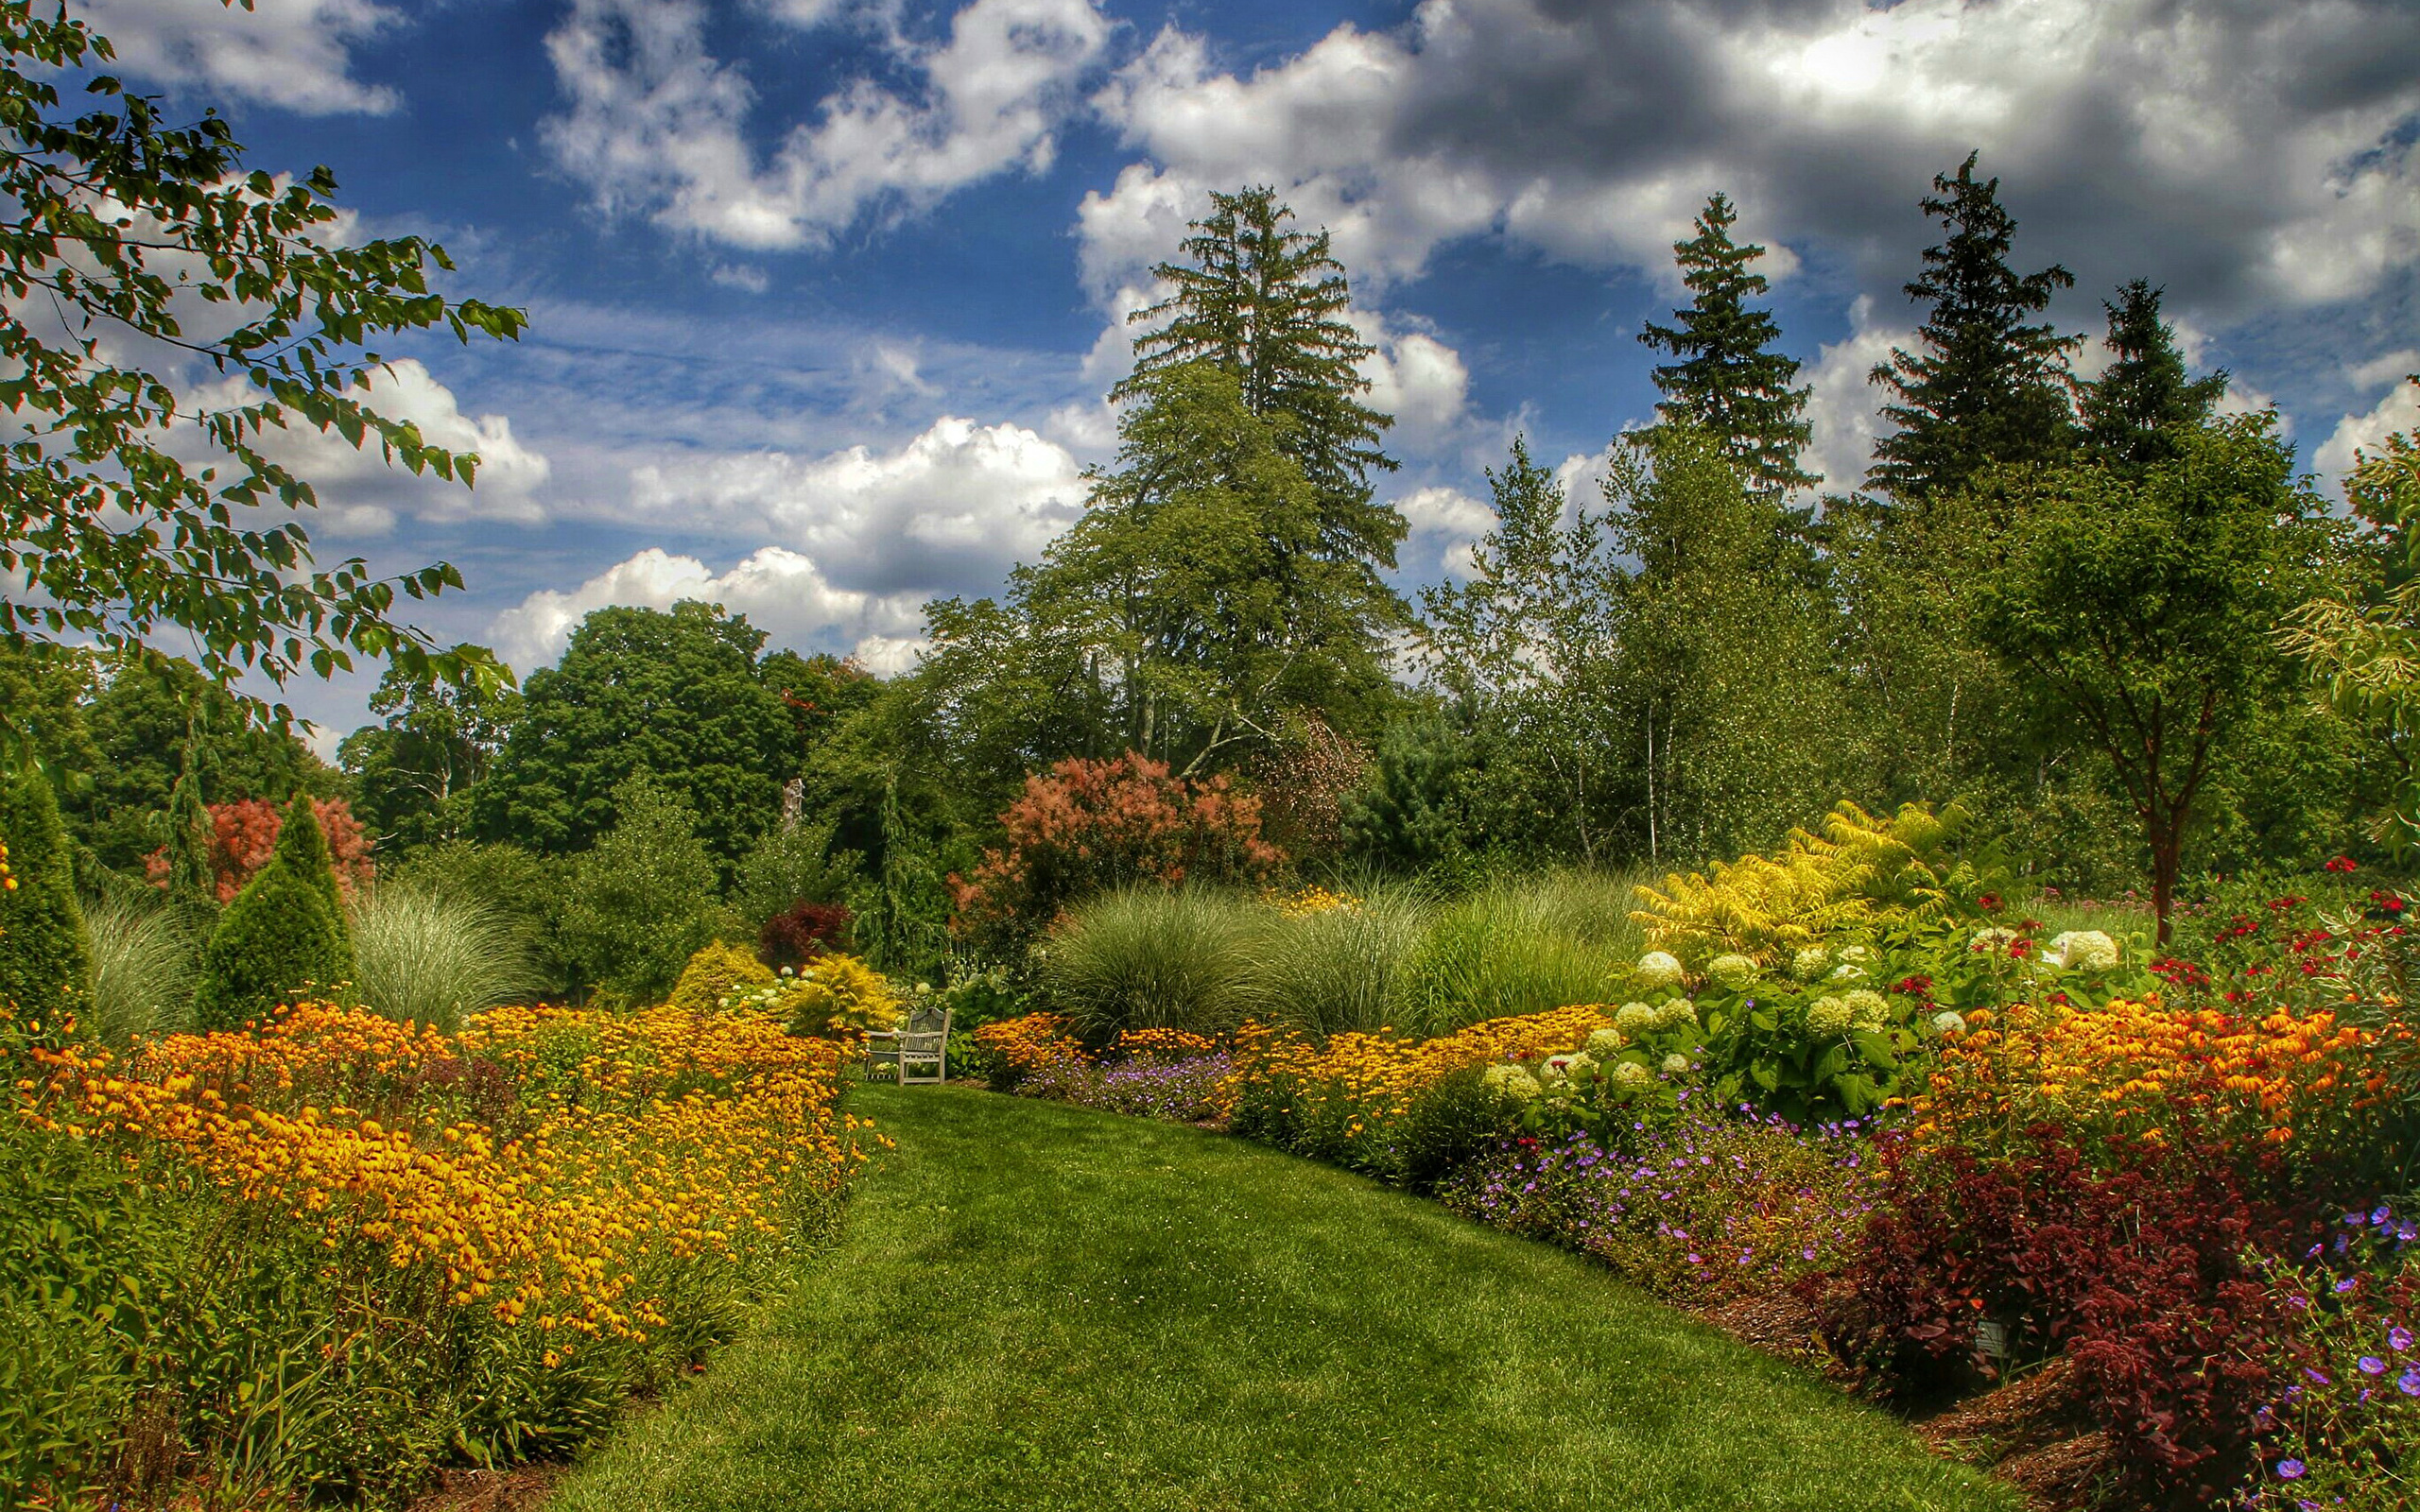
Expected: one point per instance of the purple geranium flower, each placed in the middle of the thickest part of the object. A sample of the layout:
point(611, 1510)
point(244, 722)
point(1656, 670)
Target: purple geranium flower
point(2290, 1470)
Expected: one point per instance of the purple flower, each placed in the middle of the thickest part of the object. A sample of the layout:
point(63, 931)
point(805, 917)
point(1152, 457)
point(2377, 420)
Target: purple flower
point(2379, 1214)
point(2409, 1382)
point(2345, 1285)
point(2399, 1337)
point(2290, 1470)
point(2370, 1365)
point(2317, 1376)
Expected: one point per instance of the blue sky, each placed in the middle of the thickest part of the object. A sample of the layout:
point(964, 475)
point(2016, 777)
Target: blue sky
point(824, 294)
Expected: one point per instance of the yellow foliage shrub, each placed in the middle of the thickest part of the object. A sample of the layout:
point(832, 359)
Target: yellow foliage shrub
point(714, 975)
point(1861, 872)
point(839, 997)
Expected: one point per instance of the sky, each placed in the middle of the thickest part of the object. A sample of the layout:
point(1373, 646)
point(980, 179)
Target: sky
point(824, 295)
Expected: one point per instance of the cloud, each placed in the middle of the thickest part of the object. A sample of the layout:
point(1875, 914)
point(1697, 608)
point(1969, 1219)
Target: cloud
point(2400, 411)
point(952, 510)
point(1844, 405)
point(1419, 380)
point(783, 592)
point(2248, 151)
point(657, 123)
point(296, 54)
point(1446, 524)
point(362, 494)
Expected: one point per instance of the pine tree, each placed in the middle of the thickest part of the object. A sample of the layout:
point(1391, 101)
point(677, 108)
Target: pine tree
point(1266, 302)
point(46, 957)
point(1988, 387)
point(1727, 383)
point(2134, 412)
point(283, 933)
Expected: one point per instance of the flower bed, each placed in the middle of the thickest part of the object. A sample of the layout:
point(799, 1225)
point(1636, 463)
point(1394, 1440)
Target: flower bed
point(345, 1249)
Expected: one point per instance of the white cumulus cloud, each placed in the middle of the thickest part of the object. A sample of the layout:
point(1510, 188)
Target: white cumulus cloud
point(2399, 412)
point(290, 52)
point(782, 592)
point(656, 123)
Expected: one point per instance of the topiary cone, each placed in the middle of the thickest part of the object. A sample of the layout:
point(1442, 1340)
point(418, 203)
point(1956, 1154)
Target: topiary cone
point(284, 931)
point(46, 957)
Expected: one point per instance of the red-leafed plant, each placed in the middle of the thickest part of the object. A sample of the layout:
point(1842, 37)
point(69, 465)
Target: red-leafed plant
point(802, 932)
point(243, 836)
point(1088, 826)
point(2141, 1273)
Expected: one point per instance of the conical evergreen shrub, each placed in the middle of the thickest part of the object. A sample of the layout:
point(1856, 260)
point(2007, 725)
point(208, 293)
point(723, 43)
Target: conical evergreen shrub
point(286, 931)
point(46, 957)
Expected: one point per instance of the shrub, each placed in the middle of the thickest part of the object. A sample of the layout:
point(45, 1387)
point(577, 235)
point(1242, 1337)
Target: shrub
point(1011, 1052)
point(791, 865)
point(1146, 958)
point(243, 836)
point(802, 932)
point(46, 956)
point(714, 973)
point(1859, 873)
point(839, 997)
point(423, 958)
point(143, 968)
point(2140, 1275)
point(1088, 827)
point(640, 901)
point(280, 935)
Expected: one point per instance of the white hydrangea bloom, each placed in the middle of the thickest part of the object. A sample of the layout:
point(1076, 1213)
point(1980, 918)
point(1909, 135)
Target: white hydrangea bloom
point(1867, 1008)
point(1635, 1019)
point(1846, 971)
point(1511, 1081)
point(1995, 939)
point(1949, 1023)
point(1675, 1064)
point(1605, 1041)
point(1858, 955)
point(1680, 1010)
point(1809, 964)
point(1631, 1076)
point(1828, 1017)
point(2084, 949)
point(1659, 969)
point(1734, 972)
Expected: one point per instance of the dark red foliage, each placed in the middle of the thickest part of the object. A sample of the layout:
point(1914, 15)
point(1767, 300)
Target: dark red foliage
point(2136, 1274)
point(243, 836)
point(802, 932)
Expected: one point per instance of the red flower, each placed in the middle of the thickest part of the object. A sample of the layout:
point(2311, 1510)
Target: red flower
point(2343, 863)
point(1989, 903)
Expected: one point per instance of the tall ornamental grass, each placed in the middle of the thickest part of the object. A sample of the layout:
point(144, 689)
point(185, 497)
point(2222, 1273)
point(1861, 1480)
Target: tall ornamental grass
point(1329, 971)
point(423, 958)
point(1144, 959)
point(1501, 953)
point(143, 969)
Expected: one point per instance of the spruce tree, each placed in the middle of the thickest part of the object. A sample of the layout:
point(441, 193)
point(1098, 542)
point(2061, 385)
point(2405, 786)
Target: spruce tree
point(46, 957)
point(1727, 383)
point(283, 933)
point(2135, 412)
point(1988, 386)
point(1266, 301)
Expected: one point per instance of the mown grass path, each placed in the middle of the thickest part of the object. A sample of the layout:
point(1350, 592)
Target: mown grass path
point(1037, 1306)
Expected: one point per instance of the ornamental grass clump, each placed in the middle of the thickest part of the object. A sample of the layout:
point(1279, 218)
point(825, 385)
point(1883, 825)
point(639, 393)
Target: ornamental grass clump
point(1499, 954)
point(1145, 957)
point(420, 957)
point(143, 966)
point(1342, 966)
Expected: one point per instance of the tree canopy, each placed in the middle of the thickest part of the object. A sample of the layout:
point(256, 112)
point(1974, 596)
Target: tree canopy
point(166, 309)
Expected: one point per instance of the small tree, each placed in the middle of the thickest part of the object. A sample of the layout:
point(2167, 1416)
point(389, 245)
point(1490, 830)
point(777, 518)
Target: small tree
point(2140, 610)
point(284, 931)
point(45, 958)
point(1090, 826)
point(642, 898)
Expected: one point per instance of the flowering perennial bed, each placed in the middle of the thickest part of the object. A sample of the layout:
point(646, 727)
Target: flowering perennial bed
point(468, 1247)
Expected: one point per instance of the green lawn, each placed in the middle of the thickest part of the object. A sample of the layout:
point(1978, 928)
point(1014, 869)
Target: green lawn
point(1037, 1306)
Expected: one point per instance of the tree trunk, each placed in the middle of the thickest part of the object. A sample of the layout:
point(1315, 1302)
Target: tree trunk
point(2168, 848)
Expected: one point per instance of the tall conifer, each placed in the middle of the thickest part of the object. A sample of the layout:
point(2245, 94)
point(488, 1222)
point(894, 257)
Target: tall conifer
point(2135, 412)
point(1727, 382)
point(1266, 301)
point(1989, 386)
point(46, 957)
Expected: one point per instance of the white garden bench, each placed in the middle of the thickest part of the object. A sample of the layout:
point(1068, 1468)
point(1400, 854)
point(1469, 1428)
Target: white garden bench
point(922, 1042)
